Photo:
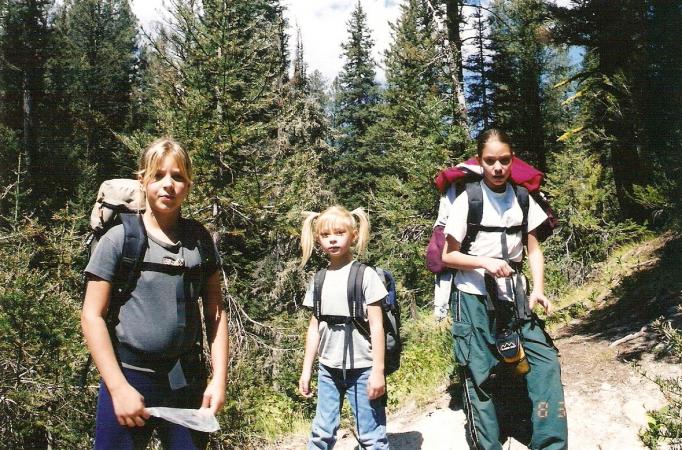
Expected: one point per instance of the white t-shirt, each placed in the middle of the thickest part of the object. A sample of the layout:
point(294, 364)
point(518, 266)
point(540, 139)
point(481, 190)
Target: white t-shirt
point(499, 210)
point(335, 303)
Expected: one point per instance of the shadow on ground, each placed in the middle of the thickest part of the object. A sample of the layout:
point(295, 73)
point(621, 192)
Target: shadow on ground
point(652, 290)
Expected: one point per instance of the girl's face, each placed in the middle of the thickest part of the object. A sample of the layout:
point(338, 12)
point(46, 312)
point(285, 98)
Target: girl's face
point(336, 242)
point(167, 188)
point(495, 160)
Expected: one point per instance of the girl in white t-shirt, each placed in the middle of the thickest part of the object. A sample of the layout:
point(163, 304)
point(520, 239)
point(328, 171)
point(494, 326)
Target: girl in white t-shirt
point(482, 309)
point(349, 365)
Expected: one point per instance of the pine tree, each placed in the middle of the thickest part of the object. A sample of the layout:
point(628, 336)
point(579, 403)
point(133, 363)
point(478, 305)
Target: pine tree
point(415, 135)
point(662, 101)
point(447, 16)
point(479, 87)
point(25, 43)
point(299, 77)
point(356, 98)
point(614, 87)
point(99, 57)
point(519, 68)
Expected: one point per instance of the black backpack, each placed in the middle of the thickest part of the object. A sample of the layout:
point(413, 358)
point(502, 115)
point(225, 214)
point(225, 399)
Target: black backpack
point(357, 318)
point(471, 184)
point(475, 199)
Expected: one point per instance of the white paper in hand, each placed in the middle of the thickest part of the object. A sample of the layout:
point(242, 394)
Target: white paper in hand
point(196, 419)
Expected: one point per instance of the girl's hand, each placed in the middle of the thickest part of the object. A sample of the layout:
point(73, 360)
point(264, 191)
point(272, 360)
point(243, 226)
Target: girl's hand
point(497, 267)
point(376, 385)
point(214, 396)
point(304, 384)
point(128, 406)
point(539, 297)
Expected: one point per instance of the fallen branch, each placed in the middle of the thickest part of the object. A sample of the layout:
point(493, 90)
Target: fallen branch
point(629, 337)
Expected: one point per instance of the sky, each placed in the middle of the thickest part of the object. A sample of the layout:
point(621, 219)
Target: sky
point(323, 28)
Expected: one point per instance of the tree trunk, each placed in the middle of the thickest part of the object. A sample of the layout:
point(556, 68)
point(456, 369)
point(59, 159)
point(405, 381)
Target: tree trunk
point(485, 102)
point(621, 29)
point(453, 54)
point(28, 138)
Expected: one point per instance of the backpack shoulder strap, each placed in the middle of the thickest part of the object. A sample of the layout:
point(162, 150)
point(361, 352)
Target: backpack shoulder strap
point(389, 282)
point(194, 231)
point(356, 297)
point(132, 254)
point(522, 197)
point(475, 214)
point(318, 281)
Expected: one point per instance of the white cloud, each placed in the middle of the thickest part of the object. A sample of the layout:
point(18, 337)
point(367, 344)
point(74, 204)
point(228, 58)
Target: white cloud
point(148, 11)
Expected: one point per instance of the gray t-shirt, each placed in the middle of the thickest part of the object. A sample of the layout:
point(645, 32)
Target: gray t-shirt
point(335, 303)
point(157, 319)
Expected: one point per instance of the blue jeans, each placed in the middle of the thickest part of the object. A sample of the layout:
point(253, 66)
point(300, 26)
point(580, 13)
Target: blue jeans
point(370, 415)
point(109, 435)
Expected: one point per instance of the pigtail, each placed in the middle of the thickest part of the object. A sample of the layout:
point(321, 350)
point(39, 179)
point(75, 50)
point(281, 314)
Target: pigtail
point(307, 236)
point(363, 230)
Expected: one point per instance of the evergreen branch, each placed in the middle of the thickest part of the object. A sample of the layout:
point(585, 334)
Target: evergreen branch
point(7, 191)
point(579, 76)
point(160, 52)
point(239, 317)
point(188, 30)
point(490, 11)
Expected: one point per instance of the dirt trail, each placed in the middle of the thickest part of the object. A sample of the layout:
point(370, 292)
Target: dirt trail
point(606, 399)
point(607, 386)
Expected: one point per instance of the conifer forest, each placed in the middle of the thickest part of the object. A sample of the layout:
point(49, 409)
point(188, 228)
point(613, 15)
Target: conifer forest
point(590, 92)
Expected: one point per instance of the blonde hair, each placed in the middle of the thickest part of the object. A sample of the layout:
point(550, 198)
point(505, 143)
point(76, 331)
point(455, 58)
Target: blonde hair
point(151, 159)
point(334, 217)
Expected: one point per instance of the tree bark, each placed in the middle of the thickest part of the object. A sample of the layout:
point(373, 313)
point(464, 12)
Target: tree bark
point(448, 32)
point(28, 122)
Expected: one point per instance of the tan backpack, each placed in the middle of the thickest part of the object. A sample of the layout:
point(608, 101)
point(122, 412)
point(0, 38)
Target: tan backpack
point(113, 198)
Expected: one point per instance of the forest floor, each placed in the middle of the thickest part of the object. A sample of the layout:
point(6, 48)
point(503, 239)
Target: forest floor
point(609, 356)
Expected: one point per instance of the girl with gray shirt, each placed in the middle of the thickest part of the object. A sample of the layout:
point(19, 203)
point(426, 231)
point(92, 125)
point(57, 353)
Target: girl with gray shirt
point(153, 355)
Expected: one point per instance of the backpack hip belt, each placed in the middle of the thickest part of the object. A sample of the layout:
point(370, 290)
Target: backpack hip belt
point(181, 371)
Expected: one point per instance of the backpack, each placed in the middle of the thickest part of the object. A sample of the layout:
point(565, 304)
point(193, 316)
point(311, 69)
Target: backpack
point(121, 201)
point(526, 181)
point(358, 319)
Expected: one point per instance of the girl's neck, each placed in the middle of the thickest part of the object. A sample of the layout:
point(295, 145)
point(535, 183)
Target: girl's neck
point(496, 188)
point(163, 226)
point(338, 261)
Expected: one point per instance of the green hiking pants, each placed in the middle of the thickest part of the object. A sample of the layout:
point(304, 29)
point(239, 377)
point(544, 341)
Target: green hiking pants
point(497, 403)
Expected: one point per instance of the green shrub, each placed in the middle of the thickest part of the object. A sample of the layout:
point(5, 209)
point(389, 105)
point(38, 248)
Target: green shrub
point(41, 351)
point(665, 425)
point(426, 360)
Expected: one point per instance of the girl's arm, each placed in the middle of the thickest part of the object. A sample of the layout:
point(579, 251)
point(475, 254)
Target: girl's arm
point(128, 403)
point(377, 381)
point(536, 261)
point(312, 341)
point(452, 257)
point(216, 331)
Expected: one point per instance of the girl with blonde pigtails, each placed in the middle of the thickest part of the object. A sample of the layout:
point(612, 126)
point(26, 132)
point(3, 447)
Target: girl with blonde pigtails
point(346, 333)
